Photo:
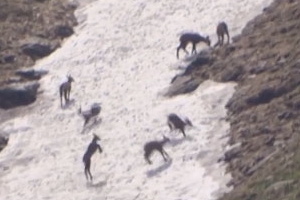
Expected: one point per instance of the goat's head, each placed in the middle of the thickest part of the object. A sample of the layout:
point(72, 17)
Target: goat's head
point(207, 40)
point(70, 79)
point(188, 122)
point(96, 137)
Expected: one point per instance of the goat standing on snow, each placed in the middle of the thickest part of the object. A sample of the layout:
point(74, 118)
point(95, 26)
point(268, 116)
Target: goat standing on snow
point(149, 147)
point(92, 148)
point(65, 89)
point(175, 122)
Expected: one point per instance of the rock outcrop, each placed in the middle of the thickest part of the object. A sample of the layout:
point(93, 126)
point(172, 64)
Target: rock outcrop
point(18, 94)
point(264, 112)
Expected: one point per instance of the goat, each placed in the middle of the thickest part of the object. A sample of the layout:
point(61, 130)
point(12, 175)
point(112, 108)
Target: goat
point(222, 29)
point(65, 89)
point(149, 147)
point(175, 122)
point(92, 148)
point(194, 38)
point(92, 112)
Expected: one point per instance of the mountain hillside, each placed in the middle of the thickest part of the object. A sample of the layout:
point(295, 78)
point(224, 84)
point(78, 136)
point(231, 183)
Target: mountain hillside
point(264, 111)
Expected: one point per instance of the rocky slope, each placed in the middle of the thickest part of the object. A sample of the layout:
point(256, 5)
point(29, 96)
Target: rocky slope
point(30, 30)
point(264, 111)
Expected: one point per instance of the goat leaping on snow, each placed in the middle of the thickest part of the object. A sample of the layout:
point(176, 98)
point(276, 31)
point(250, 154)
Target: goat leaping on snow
point(65, 89)
point(92, 148)
point(193, 38)
point(222, 30)
point(175, 122)
point(149, 147)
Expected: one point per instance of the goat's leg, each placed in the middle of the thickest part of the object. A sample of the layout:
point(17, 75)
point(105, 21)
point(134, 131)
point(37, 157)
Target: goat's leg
point(87, 167)
point(182, 130)
point(228, 38)
point(177, 52)
point(162, 152)
point(61, 94)
point(86, 120)
point(66, 97)
point(61, 100)
point(222, 39)
point(91, 177)
point(166, 153)
point(170, 126)
point(147, 159)
point(184, 48)
point(86, 175)
point(194, 48)
point(219, 40)
point(181, 46)
point(69, 92)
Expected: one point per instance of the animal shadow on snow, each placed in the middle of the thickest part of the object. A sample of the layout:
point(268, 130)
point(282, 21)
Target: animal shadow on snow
point(97, 184)
point(177, 141)
point(91, 125)
point(68, 104)
point(159, 169)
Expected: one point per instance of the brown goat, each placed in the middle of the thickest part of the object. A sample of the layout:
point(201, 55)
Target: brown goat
point(65, 89)
point(193, 38)
point(222, 29)
point(149, 147)
point(175, 122)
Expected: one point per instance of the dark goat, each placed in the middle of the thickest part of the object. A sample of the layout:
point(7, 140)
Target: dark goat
point(149, 147)
point(65, 89)
point(175, 122)
point(92, 112)
point(92, 148)
point(194, 38)
point(222, 29)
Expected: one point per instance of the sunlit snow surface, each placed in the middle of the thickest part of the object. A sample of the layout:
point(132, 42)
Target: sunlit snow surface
point(123, 55)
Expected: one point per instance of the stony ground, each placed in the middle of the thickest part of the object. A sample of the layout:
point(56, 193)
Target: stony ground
point(29, 21)
point(264, 111)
